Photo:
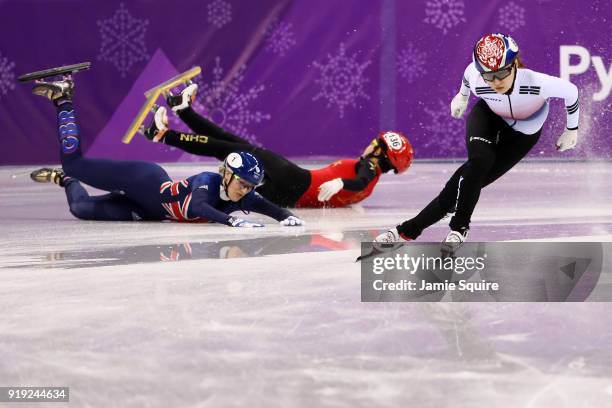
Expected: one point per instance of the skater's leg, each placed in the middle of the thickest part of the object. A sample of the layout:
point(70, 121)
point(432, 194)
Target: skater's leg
point(437, 209)
point(277, 167)
point(512, 148)
point(181, 105)
point(108, 207)
point(286, 182)
point(482, 136)
point(138, 180)
point(201, 125)
point(481, 156)
point(203, 145)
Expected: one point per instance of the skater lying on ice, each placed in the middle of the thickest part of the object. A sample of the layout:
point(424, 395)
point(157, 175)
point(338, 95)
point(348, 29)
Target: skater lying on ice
point(340, 184)
point(142, 190)
point(502, 127)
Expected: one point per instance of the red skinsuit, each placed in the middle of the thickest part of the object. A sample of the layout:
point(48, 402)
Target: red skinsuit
point(344, 169)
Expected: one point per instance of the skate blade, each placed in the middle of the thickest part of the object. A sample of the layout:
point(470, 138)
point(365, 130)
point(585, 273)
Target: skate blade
point(51, 72)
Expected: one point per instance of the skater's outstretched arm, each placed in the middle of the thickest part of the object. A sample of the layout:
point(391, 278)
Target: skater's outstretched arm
point(200, 207)
point(256, 203)
point(366, 172)
point(560, 88)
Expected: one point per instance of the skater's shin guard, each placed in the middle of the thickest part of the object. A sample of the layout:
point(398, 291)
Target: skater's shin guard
point(68, 131)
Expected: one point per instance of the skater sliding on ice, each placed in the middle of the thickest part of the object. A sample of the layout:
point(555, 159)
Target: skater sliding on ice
point(141, 190)
point(502, 127)
point(342, 183)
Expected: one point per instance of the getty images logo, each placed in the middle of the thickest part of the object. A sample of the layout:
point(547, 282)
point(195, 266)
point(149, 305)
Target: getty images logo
point(585, 60)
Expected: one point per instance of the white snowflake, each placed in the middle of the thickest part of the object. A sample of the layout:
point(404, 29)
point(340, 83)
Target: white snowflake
point(411, 63)
point(7, 77)
point(445, 134)
point(223, 102)
point(444, 14)
point(342, 80)
point(512, 16)
point(219, 13)
point(123, 40)
point(280, 38)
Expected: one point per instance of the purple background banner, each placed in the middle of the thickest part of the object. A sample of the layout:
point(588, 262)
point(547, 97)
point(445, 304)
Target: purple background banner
point(301, 77)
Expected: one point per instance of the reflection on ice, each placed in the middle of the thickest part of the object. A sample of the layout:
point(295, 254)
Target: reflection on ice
point(225, 249)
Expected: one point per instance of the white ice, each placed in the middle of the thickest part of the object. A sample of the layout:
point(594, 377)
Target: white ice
point(92, 306)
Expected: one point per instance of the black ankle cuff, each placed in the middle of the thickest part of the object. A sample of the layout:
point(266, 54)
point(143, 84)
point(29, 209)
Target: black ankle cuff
point(408, 230)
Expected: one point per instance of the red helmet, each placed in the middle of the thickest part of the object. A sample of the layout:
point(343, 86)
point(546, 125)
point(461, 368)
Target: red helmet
point(398, 150)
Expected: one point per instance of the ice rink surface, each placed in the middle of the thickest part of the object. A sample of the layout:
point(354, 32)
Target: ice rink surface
point(191, 315)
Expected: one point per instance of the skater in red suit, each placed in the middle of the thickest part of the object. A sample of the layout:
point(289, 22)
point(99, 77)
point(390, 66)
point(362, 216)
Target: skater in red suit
point(342, 183)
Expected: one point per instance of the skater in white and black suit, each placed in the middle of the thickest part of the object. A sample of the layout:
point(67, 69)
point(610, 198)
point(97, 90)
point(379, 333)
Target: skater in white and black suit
point(503, 126)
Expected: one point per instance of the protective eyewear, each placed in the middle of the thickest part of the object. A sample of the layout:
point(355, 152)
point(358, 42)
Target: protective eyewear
point(243, 184)
point(501, 74)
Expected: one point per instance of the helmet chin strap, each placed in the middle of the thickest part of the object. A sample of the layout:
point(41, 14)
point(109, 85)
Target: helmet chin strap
point(226, 184)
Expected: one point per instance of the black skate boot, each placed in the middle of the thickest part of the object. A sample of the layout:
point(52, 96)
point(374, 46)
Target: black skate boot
point(46, 175)
point(184, 99)
point(57, 91)
point(158, 127)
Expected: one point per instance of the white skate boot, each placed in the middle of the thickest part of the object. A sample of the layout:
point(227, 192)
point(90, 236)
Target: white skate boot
point(159, 125)
point(184, 99)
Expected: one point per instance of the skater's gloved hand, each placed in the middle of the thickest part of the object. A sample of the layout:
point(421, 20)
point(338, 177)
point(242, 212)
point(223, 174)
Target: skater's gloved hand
point(239, 222)
point(567, 140)
point(292, 221)
point(459, 105)
point(328, 189)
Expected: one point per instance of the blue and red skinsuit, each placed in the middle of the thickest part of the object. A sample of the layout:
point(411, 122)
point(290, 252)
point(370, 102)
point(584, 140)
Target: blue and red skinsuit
point(143, 190)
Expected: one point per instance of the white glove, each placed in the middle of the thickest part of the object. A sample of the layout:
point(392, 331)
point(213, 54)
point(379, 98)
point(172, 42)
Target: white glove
point(328, 189)
point(292, 221)
point(567, 140)
point(239, 222)
point(459, 105)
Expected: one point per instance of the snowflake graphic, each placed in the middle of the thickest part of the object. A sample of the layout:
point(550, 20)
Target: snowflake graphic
point(280, 38)
point(123, 42)
point(342, 80)
point(411, 63)
point(7, 77)
point(512, 16)
point(444, 14)
point(222, 102)
point(445, 133)
point(219, 13)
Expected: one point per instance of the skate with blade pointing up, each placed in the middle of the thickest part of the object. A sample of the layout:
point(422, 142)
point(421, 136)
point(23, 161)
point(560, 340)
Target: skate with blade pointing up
point(152, 95)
